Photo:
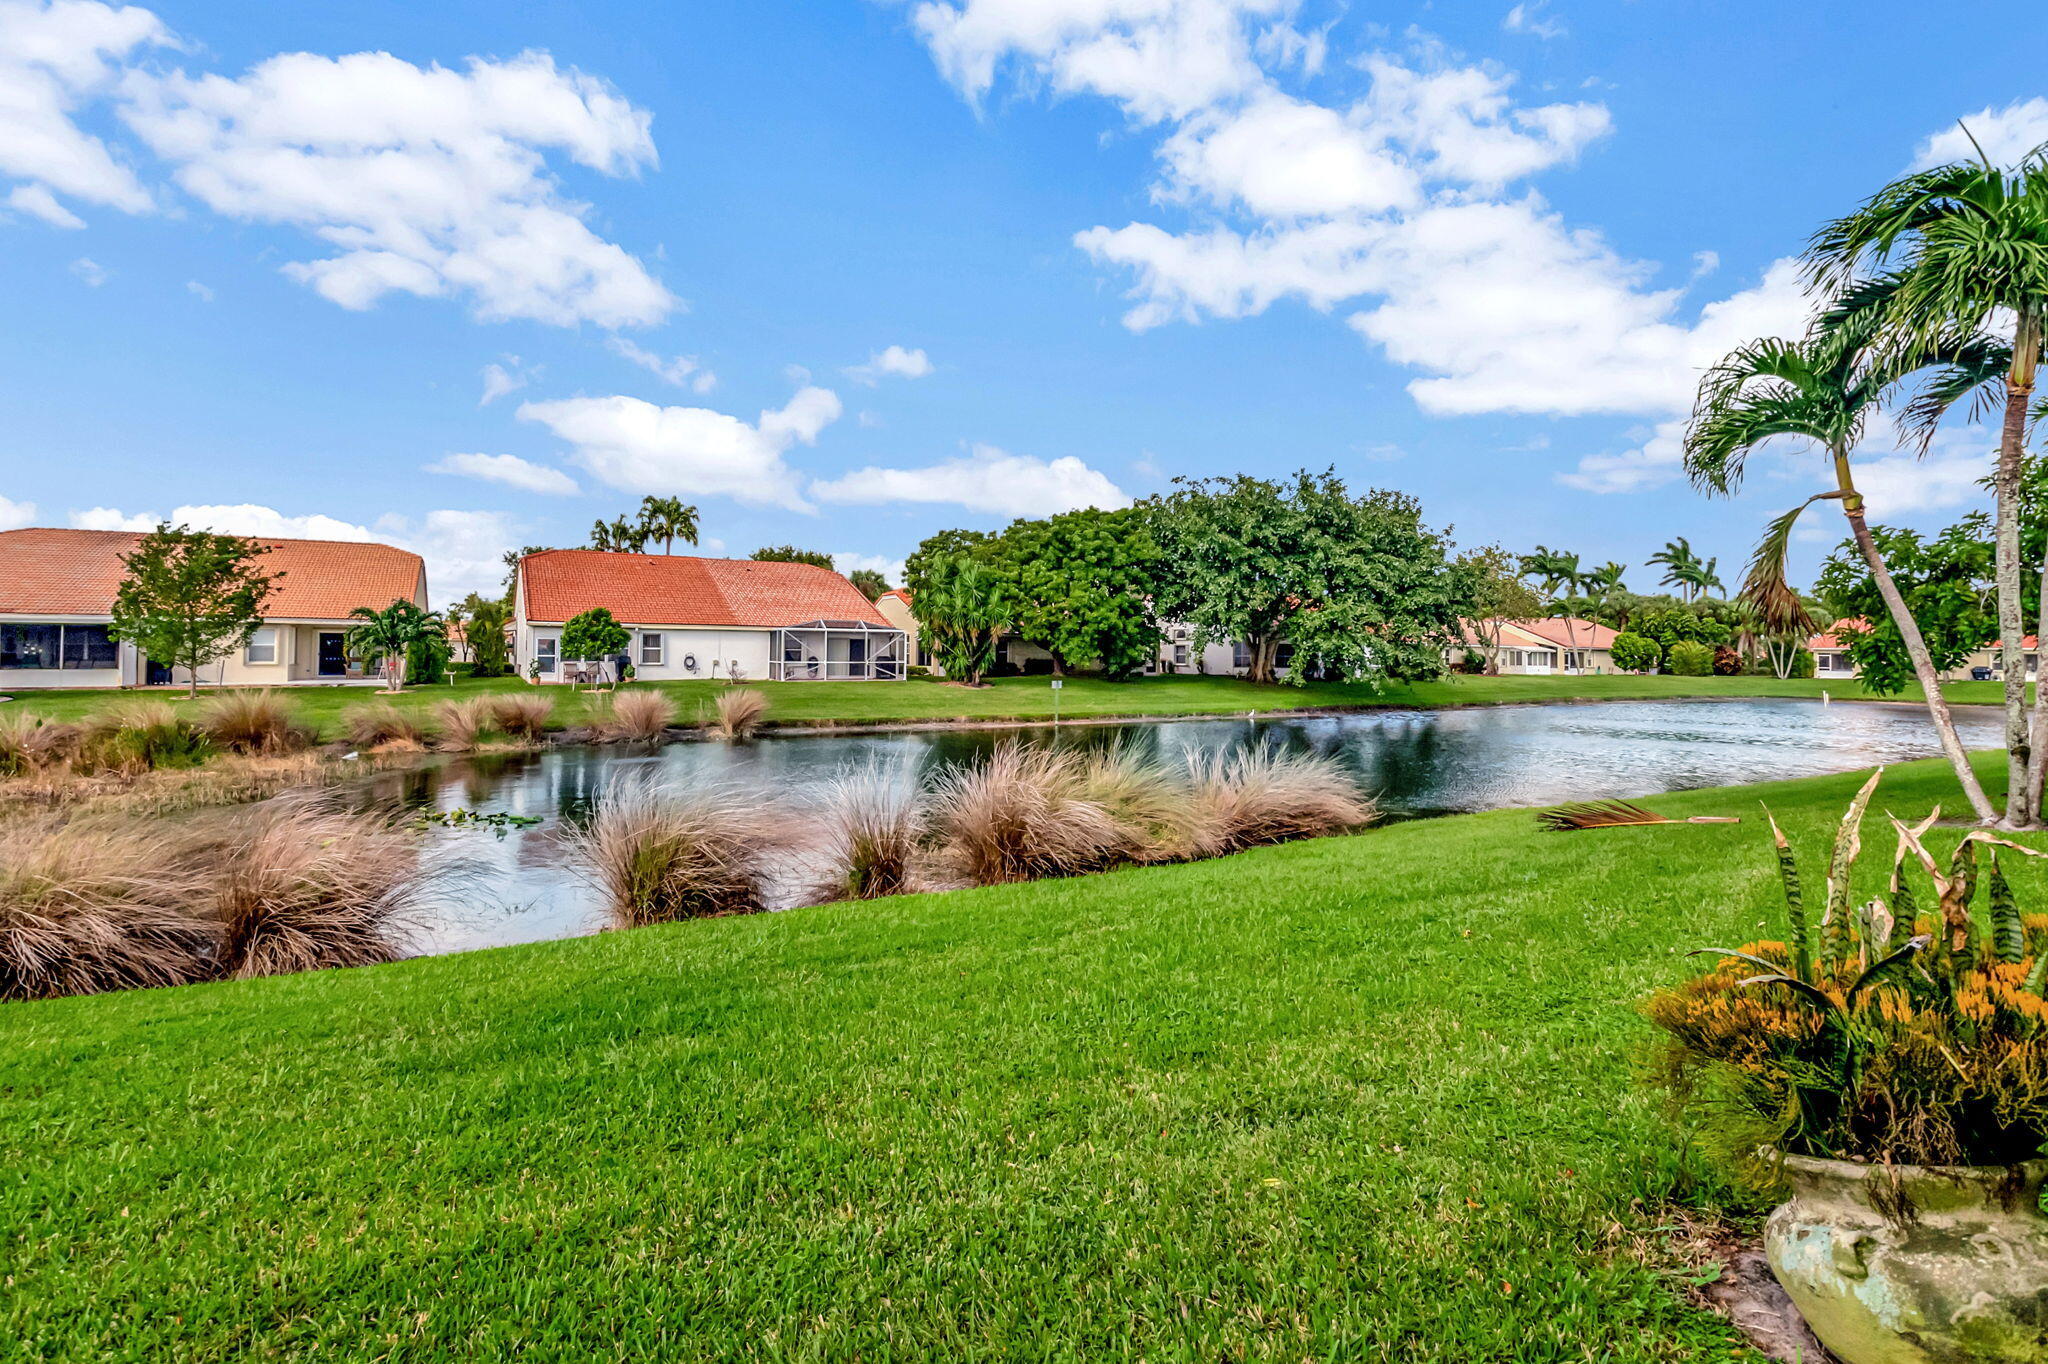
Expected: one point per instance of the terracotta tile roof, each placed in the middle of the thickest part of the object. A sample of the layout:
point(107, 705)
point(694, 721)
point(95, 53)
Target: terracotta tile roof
point(1585, 634)
point(678, 589)
point(45, 571)
point(1831, 639)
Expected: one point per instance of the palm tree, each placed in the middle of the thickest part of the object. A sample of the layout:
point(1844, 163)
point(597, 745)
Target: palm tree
point(1703, 580)
point(1961, 251)
point(1681, 566)
point(668, 519)
point(618, 536)
point(1556, 571)
point(385, 636)
point(1823, 388)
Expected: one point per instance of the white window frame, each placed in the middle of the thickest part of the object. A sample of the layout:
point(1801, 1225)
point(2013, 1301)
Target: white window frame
point(657, 658)
point(266, 637)
point(546, 654)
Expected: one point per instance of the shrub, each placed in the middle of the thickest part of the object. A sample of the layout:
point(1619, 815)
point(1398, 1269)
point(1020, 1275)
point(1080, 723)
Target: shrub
point(1688, 658)
point(872, 825)
point(522, 715)
point(252, 722)
point(86, 907)
point(1265, 796)
point(463, 722)
point(593, 634)
point(426, 660)
point(379, 724)
point(299, 887)
point(1881, 1033)
point(1023, 814)
point(1636, 653)
point(1802, 662)
point(664, 855)
point(1727, 662)
point(141, 736)
point(738, 713)
point(641, 716)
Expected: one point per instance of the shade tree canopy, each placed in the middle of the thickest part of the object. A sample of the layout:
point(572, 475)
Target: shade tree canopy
point(189, 598)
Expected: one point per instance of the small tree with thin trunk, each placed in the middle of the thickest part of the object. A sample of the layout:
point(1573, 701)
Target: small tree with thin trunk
point(1498, 595)
point(191, 597)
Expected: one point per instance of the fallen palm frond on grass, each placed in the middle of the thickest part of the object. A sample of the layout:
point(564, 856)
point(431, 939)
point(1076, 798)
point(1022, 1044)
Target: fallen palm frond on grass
point(872, 826)
point(522, 716)
point(462, 723)
point(1020, 815)
point(297, 886)
point(660, 855)
point(379, 724)
point(89, 906)
point(253, 722)
point(1261, 795)
point(1613, 814)
point(737, 713)
point(635, 716)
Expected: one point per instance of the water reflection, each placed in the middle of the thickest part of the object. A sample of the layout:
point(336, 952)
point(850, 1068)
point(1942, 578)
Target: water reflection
point(1419, 762)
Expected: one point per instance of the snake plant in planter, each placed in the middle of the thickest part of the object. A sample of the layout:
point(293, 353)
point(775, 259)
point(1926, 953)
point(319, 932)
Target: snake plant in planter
point(1890, 1059)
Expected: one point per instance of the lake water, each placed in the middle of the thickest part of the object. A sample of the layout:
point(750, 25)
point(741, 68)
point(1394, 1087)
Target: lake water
point(522, 888)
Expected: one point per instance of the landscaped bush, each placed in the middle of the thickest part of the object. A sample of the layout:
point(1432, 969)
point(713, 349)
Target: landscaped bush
point(294, 886)
point(1265, 796)
point(738, 712)
point(1022, 814)
point(1884, 1032)
point(660, 855)
point(641, 716)
point(1689, 658)
point(140, 736)
point(379, 724)
point(1802, 663)
point(1727, 662)
point(252, 722)
point(90, 906)
point(872, 826)
point(523, 715)
point(1635, 653)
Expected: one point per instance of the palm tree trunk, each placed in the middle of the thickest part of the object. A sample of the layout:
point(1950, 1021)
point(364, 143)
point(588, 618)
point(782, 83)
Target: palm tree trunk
point(2037, 758)
point(1916, 645)
point(2022, 807)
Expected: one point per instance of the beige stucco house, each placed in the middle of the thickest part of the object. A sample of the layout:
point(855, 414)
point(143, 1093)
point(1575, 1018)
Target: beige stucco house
point(1557, 644)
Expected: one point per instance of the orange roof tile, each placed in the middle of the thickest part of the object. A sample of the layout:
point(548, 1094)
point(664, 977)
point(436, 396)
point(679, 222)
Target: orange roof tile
point(46, 571)
point(680, 589)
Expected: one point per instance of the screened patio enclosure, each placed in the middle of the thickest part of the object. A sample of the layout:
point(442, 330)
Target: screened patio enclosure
point(837, 650)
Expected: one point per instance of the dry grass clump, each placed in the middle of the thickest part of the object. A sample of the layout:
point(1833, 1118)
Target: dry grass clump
point(873, 825)
point(298, 886)
point(90, 906)
point(31, 743)
point(661, 855)
point(462, 723)
point(379, 724)
point(739, 713)
point(1262, 795)
point(1151, 805)
point(1022, 814)
point(640, 716)
point(138, 737)
point(253, 722)
point(522, 715)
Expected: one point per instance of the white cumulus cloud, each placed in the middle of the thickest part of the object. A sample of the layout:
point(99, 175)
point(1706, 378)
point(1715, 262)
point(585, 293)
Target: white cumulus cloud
point(892, 362)
point(2006, 135)
point(682, 371)
point(15, 515)
point(55, 57)
point(641, 447)
point(987, 479)
point(510, 470)
point(421, 179)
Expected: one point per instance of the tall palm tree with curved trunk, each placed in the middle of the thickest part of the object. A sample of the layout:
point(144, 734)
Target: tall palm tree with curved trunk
point(668, 519)
point(1556, 571)
point(1823, 388)
point(1961, 250)
point(1680, 564)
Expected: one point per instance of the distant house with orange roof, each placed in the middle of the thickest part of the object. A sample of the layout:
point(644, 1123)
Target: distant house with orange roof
point(1556, 644)
point(57, 590)
point(1831, 655)
point(704, 618)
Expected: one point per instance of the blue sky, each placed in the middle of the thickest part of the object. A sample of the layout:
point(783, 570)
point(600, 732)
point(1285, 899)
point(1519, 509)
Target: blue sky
point(470, 276)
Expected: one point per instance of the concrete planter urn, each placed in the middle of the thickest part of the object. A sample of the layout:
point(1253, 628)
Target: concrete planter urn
point(1916, 1264)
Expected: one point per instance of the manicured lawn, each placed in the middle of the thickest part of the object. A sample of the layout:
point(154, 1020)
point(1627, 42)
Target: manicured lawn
point(1032, 697)
point(1368, 1098)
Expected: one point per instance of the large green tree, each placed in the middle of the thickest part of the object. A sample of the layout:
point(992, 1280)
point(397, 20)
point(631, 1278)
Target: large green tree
point(1946, 581)
point(190, 597)
point(1498, 595)
point(1358, 585)
point(484, 627)
point(619, 536)
point(1823, 389)
point(1938, 260)
point(1080, 586)
point(593, 634)
point(871, 583)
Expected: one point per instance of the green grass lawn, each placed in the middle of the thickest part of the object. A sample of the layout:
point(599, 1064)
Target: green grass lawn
point(1368, 1098)
point(1032, 697)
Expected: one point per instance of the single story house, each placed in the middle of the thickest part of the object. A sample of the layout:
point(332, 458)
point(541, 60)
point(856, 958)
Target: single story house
point(1556, 644)
point(705, 618)
point(57, 591)
point(1831, 655)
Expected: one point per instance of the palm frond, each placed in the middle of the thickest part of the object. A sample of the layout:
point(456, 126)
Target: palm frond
point(1765, 587)
point(1613, 814)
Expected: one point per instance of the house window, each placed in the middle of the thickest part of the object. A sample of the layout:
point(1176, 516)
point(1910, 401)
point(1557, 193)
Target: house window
point(1240, 654)
point(1180, 655)
point(30, 646)
point(1284, 655)
point(650, 650)
point(262, 646)
point(544, 654)
point(90, 646)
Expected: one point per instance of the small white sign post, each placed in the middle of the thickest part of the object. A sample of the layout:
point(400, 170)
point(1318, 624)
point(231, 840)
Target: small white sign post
point(1056, 685)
